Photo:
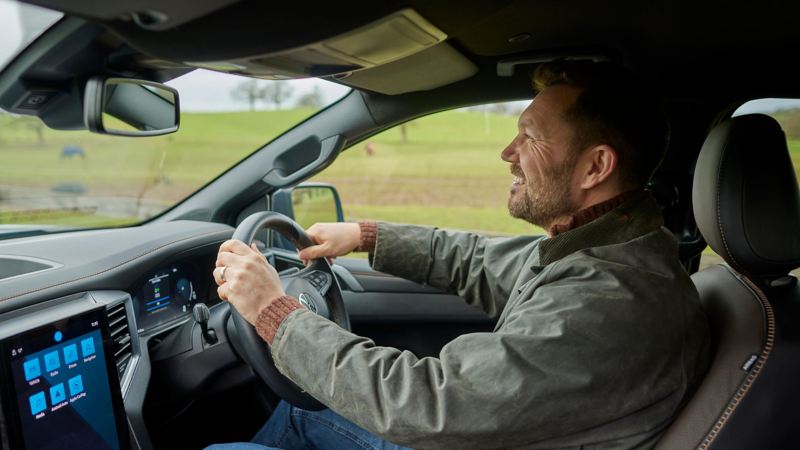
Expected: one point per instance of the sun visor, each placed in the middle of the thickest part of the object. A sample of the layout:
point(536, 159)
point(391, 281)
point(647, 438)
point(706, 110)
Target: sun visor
point(394, 37)
point(437, 66)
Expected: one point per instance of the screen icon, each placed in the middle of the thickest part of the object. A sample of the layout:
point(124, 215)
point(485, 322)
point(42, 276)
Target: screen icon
point(32, 369)
point(75, 385)
point(70, 354)
point(38, 403)
point(87, 346)
point(51, 361)
point(57, 394)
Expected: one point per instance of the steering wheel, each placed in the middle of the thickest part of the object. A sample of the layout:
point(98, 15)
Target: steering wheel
point(314, 286)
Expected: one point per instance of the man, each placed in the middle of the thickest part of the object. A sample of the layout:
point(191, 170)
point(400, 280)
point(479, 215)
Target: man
point(600, 334)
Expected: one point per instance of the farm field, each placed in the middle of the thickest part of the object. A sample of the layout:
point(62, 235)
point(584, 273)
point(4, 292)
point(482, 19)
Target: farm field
point(447, 172)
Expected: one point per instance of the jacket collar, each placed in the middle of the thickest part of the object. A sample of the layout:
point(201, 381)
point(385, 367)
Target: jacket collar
point(638, 215)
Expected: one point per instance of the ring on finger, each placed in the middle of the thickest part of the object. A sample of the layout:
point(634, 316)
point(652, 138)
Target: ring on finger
point(222, 274)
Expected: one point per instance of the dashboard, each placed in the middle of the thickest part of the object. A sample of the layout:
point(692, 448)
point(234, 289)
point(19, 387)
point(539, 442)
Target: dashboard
point(79, 325)
point(141, 283)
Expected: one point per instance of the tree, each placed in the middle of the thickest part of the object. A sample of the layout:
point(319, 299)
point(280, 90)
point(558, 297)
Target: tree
point(33, 124)
point(277, 92)
point(311, 99)
point(248, 91)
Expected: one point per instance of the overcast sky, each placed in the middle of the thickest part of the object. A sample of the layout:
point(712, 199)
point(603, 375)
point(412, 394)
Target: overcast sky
point(204, 90)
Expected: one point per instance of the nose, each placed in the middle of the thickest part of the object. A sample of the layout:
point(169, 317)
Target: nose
point(509, 154)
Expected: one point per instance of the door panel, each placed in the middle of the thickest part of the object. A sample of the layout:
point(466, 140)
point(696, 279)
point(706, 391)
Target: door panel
point(399, 313)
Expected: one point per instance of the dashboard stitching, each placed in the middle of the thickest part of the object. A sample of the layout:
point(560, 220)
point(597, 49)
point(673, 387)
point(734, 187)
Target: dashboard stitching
point(107, 269)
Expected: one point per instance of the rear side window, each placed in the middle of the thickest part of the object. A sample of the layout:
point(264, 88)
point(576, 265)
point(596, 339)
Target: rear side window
point(787, 112)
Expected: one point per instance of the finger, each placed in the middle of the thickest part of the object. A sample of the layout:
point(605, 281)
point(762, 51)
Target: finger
point(222, 292)
point(227, 259)
point(234, 246)
point(313, 252)
point(217, 273)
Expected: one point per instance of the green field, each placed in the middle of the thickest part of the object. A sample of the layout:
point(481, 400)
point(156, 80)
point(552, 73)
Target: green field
point(448, 172)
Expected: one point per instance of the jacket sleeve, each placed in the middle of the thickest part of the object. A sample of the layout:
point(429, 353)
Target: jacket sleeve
point(480, 269)
point(557, 354)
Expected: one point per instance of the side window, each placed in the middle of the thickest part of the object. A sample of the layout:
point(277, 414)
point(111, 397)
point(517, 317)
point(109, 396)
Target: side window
point(787, 113)
point(443, 169)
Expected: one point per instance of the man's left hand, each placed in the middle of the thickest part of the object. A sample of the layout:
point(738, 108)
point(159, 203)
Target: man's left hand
point(250, 283)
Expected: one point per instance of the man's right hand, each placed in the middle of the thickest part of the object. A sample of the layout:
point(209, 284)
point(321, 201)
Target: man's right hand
point(332, 239)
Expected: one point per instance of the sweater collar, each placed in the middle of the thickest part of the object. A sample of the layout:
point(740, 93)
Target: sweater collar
point(593, 212)
point(614, 221)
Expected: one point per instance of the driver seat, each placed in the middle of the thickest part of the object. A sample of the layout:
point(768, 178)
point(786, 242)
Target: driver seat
point(747, 206)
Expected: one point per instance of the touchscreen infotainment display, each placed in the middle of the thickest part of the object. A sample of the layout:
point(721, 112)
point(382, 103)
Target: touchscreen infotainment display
point(60, 389)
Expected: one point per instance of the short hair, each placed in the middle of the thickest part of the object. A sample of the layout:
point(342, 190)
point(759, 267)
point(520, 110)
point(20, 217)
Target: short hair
point(614, 108)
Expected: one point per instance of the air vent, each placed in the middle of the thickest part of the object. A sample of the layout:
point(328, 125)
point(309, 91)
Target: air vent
point(120, 337)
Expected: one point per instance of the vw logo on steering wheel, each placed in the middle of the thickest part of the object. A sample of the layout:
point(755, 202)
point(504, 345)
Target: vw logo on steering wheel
point(308, 302)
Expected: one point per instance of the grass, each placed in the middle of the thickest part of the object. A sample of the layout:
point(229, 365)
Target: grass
point(66, 218)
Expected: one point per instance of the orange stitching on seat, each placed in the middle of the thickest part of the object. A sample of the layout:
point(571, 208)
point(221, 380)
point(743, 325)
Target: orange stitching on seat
point(83, 277)
point(754, 371)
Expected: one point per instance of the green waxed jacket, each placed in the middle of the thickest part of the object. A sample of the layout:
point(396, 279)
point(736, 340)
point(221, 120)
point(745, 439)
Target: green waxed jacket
point(600, 335)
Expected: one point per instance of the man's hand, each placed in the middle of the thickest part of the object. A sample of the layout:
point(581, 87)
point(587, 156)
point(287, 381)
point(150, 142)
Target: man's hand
point(248, 282)
point(333, 239)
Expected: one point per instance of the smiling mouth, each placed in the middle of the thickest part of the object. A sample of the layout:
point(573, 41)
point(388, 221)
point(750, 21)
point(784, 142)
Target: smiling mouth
point(519, 179)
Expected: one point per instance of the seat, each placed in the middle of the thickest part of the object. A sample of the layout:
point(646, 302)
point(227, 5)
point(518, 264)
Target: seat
point(747, 206)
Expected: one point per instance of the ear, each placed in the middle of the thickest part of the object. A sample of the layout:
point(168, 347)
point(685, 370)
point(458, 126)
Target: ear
point(597, 165)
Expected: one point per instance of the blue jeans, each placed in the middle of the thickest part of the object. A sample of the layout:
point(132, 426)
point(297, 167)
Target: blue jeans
point(291, 428)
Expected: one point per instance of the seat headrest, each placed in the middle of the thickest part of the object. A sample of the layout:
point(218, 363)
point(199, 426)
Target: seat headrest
point(745, 196)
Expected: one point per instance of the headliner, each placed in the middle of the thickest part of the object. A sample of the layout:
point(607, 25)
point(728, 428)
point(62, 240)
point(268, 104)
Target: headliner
point(731, 50)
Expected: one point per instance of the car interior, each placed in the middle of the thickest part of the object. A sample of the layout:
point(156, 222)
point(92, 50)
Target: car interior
point(198, 376)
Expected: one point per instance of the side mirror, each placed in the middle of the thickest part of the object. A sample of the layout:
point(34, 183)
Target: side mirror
point(307, 204)
point(130, 107)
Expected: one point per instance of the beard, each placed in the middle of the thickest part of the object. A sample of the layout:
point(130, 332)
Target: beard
point(541, 201)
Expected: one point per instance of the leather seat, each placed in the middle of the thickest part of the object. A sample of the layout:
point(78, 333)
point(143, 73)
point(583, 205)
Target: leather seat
point(747, 206)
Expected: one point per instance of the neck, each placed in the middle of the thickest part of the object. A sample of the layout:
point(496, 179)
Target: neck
point(591, 208)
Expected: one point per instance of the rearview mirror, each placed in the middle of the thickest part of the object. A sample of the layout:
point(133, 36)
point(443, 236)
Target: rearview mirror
point(130, 107)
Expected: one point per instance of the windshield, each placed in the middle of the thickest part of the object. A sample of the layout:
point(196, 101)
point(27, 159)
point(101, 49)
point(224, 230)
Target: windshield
point(76, 179)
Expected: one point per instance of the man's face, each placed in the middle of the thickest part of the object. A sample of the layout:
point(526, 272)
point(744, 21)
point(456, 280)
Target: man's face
point(542, 159)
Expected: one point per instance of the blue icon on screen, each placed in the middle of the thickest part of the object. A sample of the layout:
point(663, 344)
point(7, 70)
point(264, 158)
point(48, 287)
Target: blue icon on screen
point(57, 394)
point(58, 336)
point(51, 361)
point(70, 354)
point(75, 386)
point(32, 369)
point(87, 345)
point(38, 403)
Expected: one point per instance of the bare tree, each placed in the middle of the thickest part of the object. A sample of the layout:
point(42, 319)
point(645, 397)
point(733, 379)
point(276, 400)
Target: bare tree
point(311, 99)
point(248, 91)
point(277, 92)
point(33, 124)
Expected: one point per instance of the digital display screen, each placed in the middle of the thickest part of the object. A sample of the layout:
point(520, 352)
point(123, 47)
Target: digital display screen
point(61, 393)
point(167, 294)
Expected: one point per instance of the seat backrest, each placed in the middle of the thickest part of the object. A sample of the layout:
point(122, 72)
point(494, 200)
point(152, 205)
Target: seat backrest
point(747, 206)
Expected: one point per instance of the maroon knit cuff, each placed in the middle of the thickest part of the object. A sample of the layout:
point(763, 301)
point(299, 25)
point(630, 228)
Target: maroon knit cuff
point(271, 317)
point(369, 236)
